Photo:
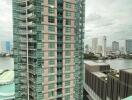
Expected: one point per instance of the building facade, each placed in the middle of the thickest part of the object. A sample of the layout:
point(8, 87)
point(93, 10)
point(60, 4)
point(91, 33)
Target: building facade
point(104, 83)
point(129, 46)
point(48, 49)
point(94, 45)
point(8, 46)
point(115, 46)
point(104, 46)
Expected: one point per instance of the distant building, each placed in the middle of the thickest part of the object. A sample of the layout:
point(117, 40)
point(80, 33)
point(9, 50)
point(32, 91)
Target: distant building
point(104, 46)
point(1, 47)
point(86, 48)
point(8, 46)
point(115, 46)
point(129, 46)
point(99, 49)
point(94, 45)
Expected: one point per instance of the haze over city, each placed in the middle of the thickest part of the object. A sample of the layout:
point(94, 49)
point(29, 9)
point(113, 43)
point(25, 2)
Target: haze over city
point(111, 18)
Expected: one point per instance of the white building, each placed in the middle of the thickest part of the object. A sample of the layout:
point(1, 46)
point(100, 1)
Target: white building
point(94, 45)
point(115, 46)
point(129, 46)
point(104, 46)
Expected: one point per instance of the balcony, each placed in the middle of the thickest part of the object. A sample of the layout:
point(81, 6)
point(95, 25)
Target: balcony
point(30, 7)
point(31, 40)
point(31, 16)
point(31, 48)
point(23, 81)
point(31, 24)
point(31, 32)
point(21, 2)
point(22, 25)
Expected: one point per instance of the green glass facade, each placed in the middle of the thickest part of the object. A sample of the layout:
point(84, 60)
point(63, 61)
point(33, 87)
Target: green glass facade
point(48, 49)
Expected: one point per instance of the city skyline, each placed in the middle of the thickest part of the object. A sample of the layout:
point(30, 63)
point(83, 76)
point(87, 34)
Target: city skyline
point(111, 18)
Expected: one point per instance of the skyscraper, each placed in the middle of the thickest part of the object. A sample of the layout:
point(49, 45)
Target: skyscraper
point(104, 46)
point(48, 49)
point(115, 46)
point(129, 46)
point(8, 46)
point(94, 44)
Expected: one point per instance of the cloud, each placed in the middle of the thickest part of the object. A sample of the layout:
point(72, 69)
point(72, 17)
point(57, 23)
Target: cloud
point(5, 19)
point(108, 17)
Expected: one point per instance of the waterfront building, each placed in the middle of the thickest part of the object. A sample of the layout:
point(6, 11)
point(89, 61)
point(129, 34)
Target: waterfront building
point(8, 46)
point(104, 46)
point(94, 45)
point(48, 49)
point(99, 49)
point(129, 46)
point(0, 47)
point(103, 83)
point(115, 46)
point(86, 48)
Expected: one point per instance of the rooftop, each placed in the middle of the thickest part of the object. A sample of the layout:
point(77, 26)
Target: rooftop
point(93, 63)
point(99, 74)
point(128, 70)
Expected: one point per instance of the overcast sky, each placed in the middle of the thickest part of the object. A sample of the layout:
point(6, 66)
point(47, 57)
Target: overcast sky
point(112, 18)
point(5, 20)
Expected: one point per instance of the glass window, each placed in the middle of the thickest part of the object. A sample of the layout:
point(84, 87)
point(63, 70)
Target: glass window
point(51, 28)
point(67, 37)
point(51, 37)
point(67, 53)
point(68, 5)
point(68, 14)
point(51, 94)
point(67, 90)
point(68, 22)
point(51, 10)
point(51, 69)
point(51, 86)
point(67, 61)
point(51, 78)
point(68, 29)
point(67, 45)
point(51, 45)
point(51, 62)
point(67, 97)
point(51, 19)
point(67, 75)
point(67, 83)
point(51, 2)
point(67, 68)
point(51, 54)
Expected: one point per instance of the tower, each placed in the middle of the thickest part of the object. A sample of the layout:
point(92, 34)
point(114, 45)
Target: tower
point(104, 46)
point(48, 49)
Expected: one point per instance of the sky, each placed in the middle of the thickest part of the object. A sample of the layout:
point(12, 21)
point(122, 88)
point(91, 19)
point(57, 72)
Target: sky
point(112, 18)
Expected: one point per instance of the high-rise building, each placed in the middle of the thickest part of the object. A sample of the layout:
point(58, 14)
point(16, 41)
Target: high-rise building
point(0, 47)
point(104, 46)
point(48, 49)
point(129, 46)
point(8, 46)
point(94, 45)
point(99, 49)
point(115, 46)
